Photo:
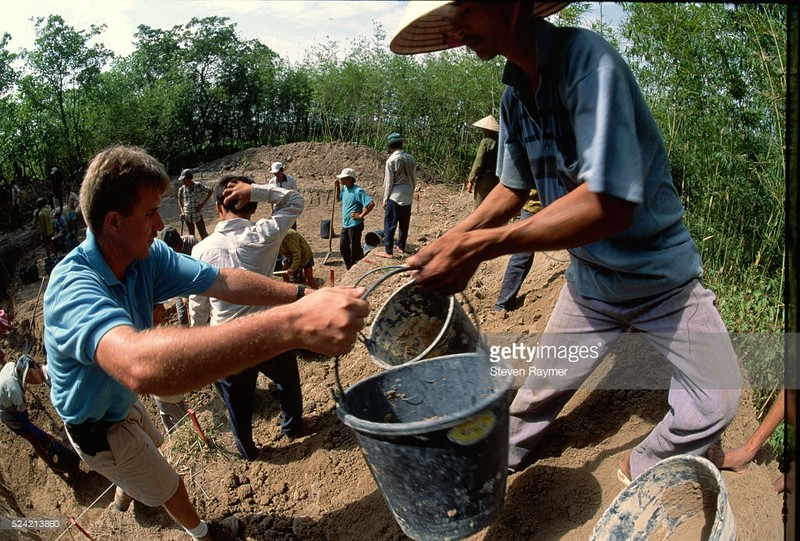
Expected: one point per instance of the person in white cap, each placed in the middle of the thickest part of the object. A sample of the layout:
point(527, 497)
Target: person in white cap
point(356, 204)
point(482, 177)
point(280, 179)
point(575, 126)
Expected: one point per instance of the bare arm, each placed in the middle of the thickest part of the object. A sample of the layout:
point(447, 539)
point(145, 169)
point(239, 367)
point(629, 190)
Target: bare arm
point(239, 286)
point(366, 210)
point(173, 360)
point(578, 218)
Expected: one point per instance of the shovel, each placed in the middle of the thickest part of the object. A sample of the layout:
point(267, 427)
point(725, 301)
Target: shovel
point(330, 234)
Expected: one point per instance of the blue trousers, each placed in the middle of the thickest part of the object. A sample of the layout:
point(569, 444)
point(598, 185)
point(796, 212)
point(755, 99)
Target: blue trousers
point(238, 393)
point(396, 217)
point(518, 267)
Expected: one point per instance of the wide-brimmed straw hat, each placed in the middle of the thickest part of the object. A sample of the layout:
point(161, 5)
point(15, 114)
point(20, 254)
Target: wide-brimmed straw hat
point(488, 123)
point(423, 29)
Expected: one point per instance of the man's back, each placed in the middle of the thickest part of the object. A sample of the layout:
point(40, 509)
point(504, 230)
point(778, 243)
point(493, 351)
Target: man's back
point(400, 177)
point(241, 243)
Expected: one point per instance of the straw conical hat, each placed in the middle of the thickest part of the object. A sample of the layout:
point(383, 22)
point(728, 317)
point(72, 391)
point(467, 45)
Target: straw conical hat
point(488, 123)
point(424, 30)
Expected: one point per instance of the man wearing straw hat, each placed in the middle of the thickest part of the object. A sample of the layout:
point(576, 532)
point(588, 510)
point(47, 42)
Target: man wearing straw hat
point(574, 126)
point(482, 177)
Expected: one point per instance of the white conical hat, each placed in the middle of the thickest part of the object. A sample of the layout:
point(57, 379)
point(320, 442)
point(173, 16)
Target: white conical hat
point(488, 123)
point(424, 30)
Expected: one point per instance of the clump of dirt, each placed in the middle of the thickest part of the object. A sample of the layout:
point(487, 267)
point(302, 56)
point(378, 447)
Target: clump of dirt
point(319, 487)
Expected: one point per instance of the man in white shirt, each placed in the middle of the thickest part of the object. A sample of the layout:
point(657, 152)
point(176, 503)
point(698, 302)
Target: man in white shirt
point(238, 242)
point(399, 182)
point(280, 178)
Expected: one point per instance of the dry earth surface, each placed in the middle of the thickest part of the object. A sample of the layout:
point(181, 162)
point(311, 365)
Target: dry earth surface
point(319, 487)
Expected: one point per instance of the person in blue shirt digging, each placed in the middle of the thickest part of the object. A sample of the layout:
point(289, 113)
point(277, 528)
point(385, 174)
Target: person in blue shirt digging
point(356, 204)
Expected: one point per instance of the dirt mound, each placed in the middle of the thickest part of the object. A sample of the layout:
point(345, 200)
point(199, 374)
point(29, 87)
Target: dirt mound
point(319, 487)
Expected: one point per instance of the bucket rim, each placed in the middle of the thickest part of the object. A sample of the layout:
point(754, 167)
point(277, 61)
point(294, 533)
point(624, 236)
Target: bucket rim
point(422, 427)
point(451, 300)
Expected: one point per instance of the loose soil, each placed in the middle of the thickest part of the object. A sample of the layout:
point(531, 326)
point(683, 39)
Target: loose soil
point(319, 487)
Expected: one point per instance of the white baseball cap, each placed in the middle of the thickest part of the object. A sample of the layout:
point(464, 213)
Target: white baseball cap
point(276, 166)
point(347, 172)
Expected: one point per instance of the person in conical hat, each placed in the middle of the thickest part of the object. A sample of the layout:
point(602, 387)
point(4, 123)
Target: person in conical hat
point(575, 126)
point(482, 177)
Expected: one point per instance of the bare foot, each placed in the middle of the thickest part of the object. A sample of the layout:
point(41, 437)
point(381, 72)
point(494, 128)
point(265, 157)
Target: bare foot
point(310, 423)
point(737, 460)
point(625, 466)
point(383, 254)
point(780, 484)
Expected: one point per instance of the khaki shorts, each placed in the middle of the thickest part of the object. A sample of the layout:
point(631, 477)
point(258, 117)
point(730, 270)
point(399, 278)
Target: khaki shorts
point(134, 463)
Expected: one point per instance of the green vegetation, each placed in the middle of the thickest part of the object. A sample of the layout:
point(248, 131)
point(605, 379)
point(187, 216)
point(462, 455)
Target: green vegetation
point(714, 75)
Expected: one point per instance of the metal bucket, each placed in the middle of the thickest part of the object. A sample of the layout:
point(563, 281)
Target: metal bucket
point(416, 324)
point(325, 229)
point(681, 497)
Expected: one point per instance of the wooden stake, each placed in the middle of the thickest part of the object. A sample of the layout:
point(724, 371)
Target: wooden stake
point(196, 425)
point(84, 532)
point(331, 278)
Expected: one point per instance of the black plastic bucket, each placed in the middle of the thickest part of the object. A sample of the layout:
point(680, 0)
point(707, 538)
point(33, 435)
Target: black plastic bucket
point(325, 230)
point(372, 240)
point(415, 324)
point(435, 437)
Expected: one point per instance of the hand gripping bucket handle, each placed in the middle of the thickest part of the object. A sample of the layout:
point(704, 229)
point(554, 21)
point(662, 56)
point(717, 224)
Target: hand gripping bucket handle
point(457, 333)
point(338, 394)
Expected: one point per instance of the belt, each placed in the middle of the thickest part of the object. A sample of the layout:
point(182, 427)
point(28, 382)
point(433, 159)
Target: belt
point(90, 436)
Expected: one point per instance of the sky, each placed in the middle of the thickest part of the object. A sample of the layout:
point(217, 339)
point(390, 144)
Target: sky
point(288, 27)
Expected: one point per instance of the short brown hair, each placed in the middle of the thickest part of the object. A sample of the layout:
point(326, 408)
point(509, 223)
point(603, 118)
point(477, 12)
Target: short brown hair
point(113, 180)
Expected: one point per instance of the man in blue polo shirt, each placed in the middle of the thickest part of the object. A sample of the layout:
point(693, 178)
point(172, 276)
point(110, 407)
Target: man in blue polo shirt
point(574, 126)
point(103, 353)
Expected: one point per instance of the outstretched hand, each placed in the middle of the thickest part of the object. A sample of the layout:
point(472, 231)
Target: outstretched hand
point(447, 265)
point(331, 318)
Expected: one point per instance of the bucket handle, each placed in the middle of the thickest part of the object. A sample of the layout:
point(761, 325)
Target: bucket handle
point(338, 397)
point(391, 270)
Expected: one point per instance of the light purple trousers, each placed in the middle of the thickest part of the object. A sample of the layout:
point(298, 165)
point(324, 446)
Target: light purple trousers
point(683, 325)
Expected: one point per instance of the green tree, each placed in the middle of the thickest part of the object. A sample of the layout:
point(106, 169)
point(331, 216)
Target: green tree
point(7, 126)
point(64, 68)
point(715, 78)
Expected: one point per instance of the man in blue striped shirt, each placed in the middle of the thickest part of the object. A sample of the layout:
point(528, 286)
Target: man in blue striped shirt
point(575, 126)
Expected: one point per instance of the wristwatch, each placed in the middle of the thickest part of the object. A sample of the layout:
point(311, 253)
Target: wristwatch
point(301, 292)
